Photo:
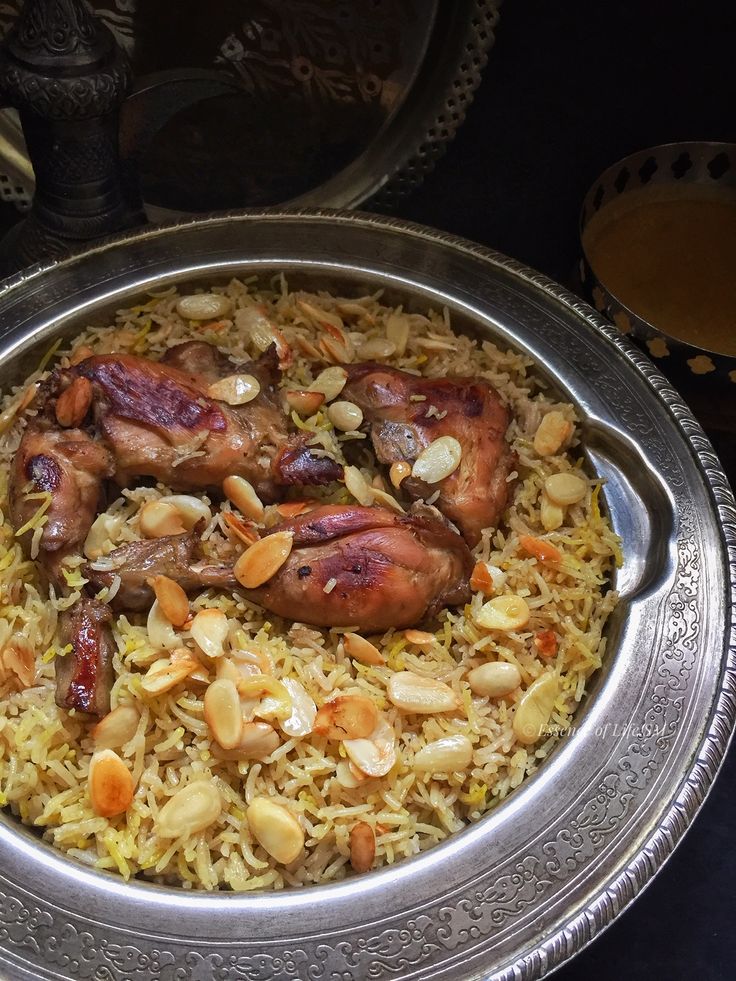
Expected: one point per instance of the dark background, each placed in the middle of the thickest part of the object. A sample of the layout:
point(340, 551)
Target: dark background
point(571, 87)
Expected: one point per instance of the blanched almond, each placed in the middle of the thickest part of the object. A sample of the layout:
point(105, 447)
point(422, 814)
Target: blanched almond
point(242, 494)
point(203, 306)
point(330, 382)
point(387, 500)
point(274, 698)
point(446, 755)
point(376, 348)
point(362, 650)
point(507, 612)
point(263, 559)
point(159, 519)
point(222, 712)
point(275, 829)
point(235, 389)
point(303, 710)
point(494, 680)
point(345, 416)
point(117, 727)
point(172, 599)
point(397, 331)
point(375, 755)
point(565, 488)
point(438, 460)
point(414, 693)
point(191, 509)
point(553, 431)
point(210, 629)
point(348, 775)
point(165, 674)
point(535, 708)
point(346, 717)
point(160, 631)
point(74, 402)
point(420, 638)
point(191, 809)
point(304, 402)
point(398, 472)
point(257, 741)
point(18, 662)
point(551, 515)
point(110, 785)
point(358, 486)
point(103, 528)
point(362, 847)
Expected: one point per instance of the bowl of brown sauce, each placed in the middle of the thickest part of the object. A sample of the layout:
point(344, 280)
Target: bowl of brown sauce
point(658, 233)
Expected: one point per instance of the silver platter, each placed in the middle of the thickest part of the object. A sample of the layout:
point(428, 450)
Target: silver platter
point(518, 893)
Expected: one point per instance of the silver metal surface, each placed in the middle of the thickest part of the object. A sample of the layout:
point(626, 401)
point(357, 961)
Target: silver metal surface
point(525, 888)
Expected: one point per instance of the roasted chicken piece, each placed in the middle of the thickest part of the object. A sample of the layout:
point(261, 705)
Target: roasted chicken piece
point(175, 556)
point(368, 567)
point(70, 467)
point(161, 421)
point(469, 409)
point(84, 676)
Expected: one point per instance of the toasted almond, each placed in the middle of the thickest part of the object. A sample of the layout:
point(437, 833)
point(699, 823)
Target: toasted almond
point(565, 489)
point(495, 679)
point(545, 641)
point(540, 549)
point(362, 650)
point(200, 672)
point(375, 755)
point(242, 494)
point(263, 559)
point(336, 351)
point(160, 631)
point(117, 727)
point(165, 674)
point(203, 306)
point(447, 755)
point(306, 347)
point(438, 460)
point(103, 528)
point(80, 354)
point(358, 486)
point(171, 598)
point(274, 700)
point(222, 712)
point(346, 717)
point(376, 348)
point(535, 708)
point(209, 629)
point(414, 693)
point(507, 612)
point(235, 389)
point(303, 710)
point(257, 741)
point(553, 431)
point(18, 663)
point(326, 319)
point(303, 401)
point(551, 515)
point(110, 784)
point(330, 382)
point(399, 472)
point(362, 847)
point(74, 402)
point(420, 638)
point(275, 829)
point(191, 509)
point(159, 519)
point(245, 533)
point(191, 809)
point(346, 416)
point(290, 509)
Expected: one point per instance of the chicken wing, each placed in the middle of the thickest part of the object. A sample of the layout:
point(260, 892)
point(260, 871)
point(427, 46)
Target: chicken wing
point(469, 409)
point(369, 568)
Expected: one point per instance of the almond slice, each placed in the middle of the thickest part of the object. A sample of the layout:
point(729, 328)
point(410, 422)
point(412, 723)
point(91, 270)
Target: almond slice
point(110, 785)
point(346, 717)
point(304, 402)
point(74, 402)
point(362, 650)
point(172, 599)
point(242, 494)
point(263, 559)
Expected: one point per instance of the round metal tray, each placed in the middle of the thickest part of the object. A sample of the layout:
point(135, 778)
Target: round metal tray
point(525, 888)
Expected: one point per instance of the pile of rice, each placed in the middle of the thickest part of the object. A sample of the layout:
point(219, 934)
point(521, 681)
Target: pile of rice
point(45, 751)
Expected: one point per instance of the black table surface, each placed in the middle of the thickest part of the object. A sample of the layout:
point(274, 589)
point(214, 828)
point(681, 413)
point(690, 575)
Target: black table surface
point(570, 88)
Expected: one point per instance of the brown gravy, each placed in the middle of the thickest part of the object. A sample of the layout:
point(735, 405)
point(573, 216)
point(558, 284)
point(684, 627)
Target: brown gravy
point(669, 254)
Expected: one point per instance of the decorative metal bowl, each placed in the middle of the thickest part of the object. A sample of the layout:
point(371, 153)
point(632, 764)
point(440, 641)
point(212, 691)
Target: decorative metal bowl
point(529, 885)
point(685, 164)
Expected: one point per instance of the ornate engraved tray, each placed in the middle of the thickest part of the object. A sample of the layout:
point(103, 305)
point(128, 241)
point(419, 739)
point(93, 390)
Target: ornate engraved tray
point(261, 103)
point(525, 888)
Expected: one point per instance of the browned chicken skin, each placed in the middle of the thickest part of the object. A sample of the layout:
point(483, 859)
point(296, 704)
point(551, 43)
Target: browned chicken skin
point(151, 413)
point(389, 570)
point(175, 556)
point(84, 676)
point(476, 494)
